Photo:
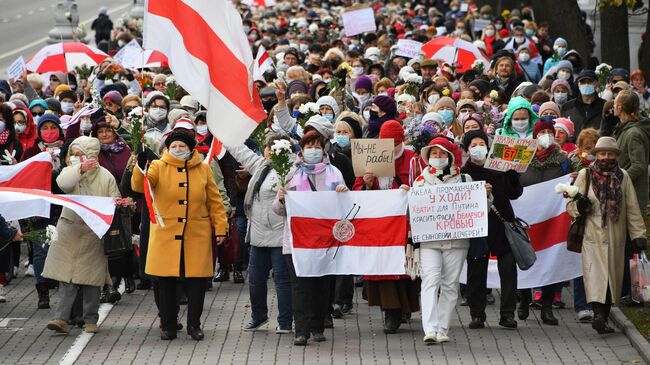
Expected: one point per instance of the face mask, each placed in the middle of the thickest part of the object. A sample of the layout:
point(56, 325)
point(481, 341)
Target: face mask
point(36, 119)
point(202, 129)
point(312, 155)
point(545, 141)
point(120, 43)
point(447, 116)
point(561, 51)
point(563, 75)
point(433, 99)
point(67, 107)
point(460, 30)
point(499, 26)
point(487, 16)
point(357, 70)
point(74, 160)
point(587, 89)
point(85, 125)
point(295, 113)
point(374, 115)
point(20, 128)
point(438, 163)
point(181, 155)
point(269, 104)
point(157, 114)
point(361, 98)
point(50, 135)
point(591, 158)
point(530, 32)
point(478, 153)
point(560, 98)
point(366, 115)
point(329, 117)
point(524, 57)
point(342, 140)
point(2, 126)
point(520, 39)
point(489, 32)
point(520, 126)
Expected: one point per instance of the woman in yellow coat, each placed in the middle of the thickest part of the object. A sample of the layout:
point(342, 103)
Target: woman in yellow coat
point(191, 210)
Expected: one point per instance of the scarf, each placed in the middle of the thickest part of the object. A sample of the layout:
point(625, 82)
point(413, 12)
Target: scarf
point(115, 147)
point(542, 155)
point(431, 176)
point(303, 171)
point(4, 137)
point(606, 180)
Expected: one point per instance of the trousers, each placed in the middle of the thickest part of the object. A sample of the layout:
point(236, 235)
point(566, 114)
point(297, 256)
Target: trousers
point(168, 304)
point(476, 289)
point(310, 301)
point(68, 293)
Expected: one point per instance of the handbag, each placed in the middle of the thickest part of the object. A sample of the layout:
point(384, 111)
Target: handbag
point(576, 232)
point(117, 240)
point(640, 278)
point(229, 250)
point(519, 240)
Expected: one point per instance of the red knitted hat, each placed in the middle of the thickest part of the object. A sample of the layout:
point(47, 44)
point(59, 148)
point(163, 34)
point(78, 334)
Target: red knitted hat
point(392, 129)
point(541, 125)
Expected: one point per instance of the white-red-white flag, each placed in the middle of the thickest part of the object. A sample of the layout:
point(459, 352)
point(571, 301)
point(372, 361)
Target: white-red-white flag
point(33, 173)
point(545, 211)
point(260, 3)
point(263, 62)
point(96, 211)
point(210, 56)
point(216, 150)
point(359, 232)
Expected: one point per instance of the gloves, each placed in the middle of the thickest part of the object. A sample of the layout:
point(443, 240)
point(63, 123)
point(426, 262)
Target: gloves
point(641, 244)
point(584, 206)
point(143, 159)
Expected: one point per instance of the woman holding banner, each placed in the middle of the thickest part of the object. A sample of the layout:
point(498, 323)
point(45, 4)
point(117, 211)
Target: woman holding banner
point(397, 295)
point(311, 295)
point(505, 187)
point(441, 261)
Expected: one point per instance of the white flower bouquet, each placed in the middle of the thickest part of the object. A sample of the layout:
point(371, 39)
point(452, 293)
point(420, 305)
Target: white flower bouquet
point(281, 151)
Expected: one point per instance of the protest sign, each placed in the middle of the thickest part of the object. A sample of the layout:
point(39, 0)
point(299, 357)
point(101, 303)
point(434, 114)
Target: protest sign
point(440, 31)
point(510, 153)
point(16, 69)
point(408, 48)
point(131, 55)
point(448, 211)
point(359, 21)
point(373, 155)
point(479, 24)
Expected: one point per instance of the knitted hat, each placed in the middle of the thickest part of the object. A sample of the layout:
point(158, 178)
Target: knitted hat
point(469, 136)
point(559, 40)
point(566, 125)
point(113, 96)
point(363, 82)
point(445, 102)
point(54, 105)
point(564, 64)
point(61, 88)
point(386, 104)
point(586, 74)
point(549, 105)
point(39, 102)
point(354, 125)
point(296, 86)
point(478, 117)
point(434, 117)
point(392, 129)
point(541, 125)
point(560, 82)
point(48, 117)
point(464, 103)
point(67, 94)
point(180, 135)
point(323, 126)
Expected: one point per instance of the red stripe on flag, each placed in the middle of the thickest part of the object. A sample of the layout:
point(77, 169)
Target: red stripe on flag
point(550, 232)
point(36, 175)
point(316, 233)
point(227, 73)
point(263, 58)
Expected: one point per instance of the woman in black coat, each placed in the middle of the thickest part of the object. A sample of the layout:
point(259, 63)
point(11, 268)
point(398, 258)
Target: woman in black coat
point(504, 187)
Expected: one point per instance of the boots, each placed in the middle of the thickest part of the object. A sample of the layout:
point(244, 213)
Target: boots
point(392, 320)
point(113, 295)
point(43, 296)
point(601, 315)
point(548, 317)
point(223, 274)
point(103, 296)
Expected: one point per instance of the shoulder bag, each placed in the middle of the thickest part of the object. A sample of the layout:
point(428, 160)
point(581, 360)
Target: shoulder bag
point(577, 227)
point(517, 235)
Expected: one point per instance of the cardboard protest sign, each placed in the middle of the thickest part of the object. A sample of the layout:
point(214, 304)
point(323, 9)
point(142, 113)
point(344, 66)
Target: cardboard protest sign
point(480, 24)
point(359, 21)
point(510, 153)
point(373, 155)
point(448, 211)
point(16, 69)
point(408, 48)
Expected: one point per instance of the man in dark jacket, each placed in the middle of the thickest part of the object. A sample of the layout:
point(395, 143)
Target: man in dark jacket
point(586, 110)
point(102, 26)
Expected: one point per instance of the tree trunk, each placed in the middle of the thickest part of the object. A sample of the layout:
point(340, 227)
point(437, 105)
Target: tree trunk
point(614, 39)
point(644, 59)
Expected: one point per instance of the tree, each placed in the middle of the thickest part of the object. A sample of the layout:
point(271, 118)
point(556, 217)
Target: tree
point(614, 41)
point(644, 59)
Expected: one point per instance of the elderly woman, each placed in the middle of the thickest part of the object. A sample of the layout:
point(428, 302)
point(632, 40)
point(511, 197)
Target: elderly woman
point(613, 213)
point(180, 242)
point(77, 257)
point(311, 295)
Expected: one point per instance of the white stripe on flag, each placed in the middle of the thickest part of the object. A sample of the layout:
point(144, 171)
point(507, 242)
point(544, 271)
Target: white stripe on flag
point(349, 260)
point(9, 171)
point(540, 202)
point(333, 205)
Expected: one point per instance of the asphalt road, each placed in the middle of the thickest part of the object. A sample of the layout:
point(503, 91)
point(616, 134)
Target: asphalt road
point(24, 24)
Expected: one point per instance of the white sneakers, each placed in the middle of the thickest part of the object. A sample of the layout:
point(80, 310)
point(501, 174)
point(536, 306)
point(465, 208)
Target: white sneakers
point(435, 338)
point(440, 338)
point(585, 315)
point(430, 339)
point(30, 270)
point(3, 299)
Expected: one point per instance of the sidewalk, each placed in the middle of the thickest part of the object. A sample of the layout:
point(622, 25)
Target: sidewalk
point(130, 335)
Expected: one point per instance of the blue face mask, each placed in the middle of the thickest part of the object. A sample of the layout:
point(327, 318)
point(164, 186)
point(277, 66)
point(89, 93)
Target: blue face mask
point(295, 113)
point(447, 115)
point(312, 155)
point(342, 140)
point(329, 117)
point(587, 89)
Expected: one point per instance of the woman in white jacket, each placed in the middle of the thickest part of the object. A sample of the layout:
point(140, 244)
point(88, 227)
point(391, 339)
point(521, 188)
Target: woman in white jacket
point(441, 261)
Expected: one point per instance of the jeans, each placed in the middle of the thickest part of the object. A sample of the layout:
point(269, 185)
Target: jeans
point(262, 259)
point(68, 293)
point(241, 223)
point(40, 253)
point(579, 296)
point(440, 272)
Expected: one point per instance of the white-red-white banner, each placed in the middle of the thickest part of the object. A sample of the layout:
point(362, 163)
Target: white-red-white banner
point(545, 211)
point(210, 56)
point(263, 62)
point(96, 211)
point(33, 173)
point(360, 232)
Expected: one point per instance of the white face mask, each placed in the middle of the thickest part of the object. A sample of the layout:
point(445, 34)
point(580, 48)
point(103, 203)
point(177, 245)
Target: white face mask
point(524, 57)
point(75, 160)
point(520, 125)
point(182, 155)
point(545, 140)
point(67, 107)
point(366, 115)
point(520, 39)
point(361, 98)
point(438, 163)
point(560, 98)
point(563, 75)
point(20, 128)
point(157, 114)
point(478, 153)
point(312, 155)
point(433, 99)
point(202, 129)
point(85, 125)
point(489, 32)
point(357, 70)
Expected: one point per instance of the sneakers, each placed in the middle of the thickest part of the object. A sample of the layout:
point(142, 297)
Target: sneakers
point(30, 270)
point(280, 330)
point(440, 338)
point(557, 301)
point(585, 315)
point(337, 311)
point(238, 277)
point(254, 325)
point(58, 325)
point(430, 339)
point(16, 271)
point(90, 328)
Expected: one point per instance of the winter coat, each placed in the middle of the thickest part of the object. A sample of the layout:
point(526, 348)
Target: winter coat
point(505, 187)
point(633, 139)
point(583, 115)
point(265, 227)
point(402, 170)
point(509, 88)
point(603, 249)
point(556, 165)
point(514, 105)
point(192, 211)
point(116, 163)
point(77, 255)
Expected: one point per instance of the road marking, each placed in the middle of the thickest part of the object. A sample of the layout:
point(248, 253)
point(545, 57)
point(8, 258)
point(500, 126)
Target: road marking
point(4, 322)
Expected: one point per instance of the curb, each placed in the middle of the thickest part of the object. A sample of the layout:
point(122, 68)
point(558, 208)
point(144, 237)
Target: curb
point(638, 341)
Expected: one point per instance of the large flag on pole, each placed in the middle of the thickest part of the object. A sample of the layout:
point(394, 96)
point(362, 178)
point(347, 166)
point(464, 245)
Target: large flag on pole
point(360, 233)
point(545, 211)
point(211, 58)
